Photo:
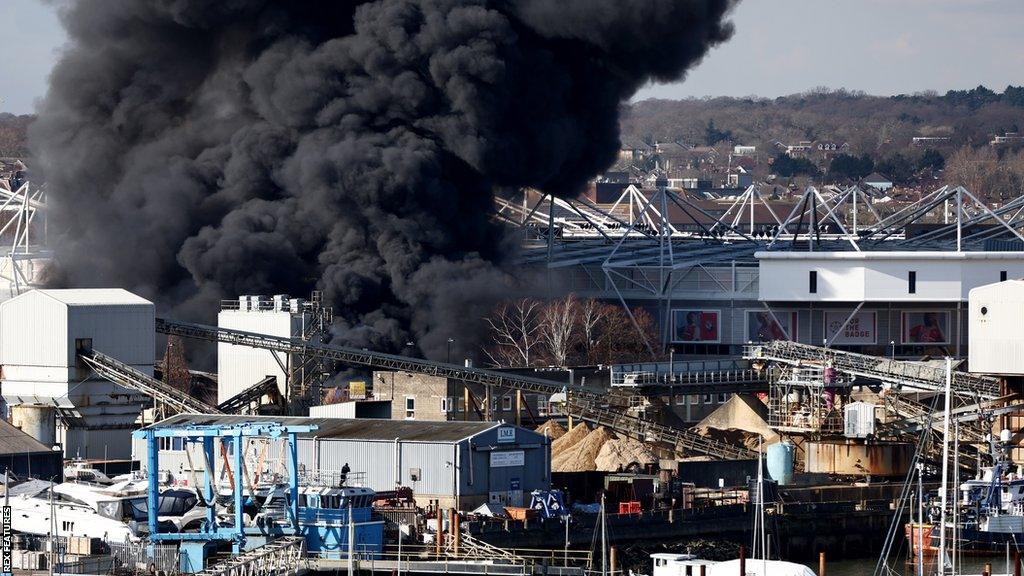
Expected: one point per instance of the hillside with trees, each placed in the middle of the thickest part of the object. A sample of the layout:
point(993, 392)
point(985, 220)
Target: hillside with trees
point(13, 131)
point(869, 124)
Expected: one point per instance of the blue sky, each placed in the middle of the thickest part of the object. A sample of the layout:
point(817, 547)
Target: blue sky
point(780, 47)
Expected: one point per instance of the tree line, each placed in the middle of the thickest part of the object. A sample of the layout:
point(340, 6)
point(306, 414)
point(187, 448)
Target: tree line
point(566, 332)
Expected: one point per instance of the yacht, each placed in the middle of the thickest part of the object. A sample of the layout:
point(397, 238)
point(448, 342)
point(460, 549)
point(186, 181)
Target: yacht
point(34, 510)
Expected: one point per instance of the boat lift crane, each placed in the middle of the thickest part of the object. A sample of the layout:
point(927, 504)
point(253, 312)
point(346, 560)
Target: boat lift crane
point(196, 546)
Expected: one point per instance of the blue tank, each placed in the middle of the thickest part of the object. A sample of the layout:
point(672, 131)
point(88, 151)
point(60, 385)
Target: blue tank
point(780, 462)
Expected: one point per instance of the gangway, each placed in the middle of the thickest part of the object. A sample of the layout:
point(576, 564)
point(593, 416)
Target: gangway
point(127, 376)
point(472, 548)
point(896, 372)
point(250, 395)
point(583, 404)
point(284, 556)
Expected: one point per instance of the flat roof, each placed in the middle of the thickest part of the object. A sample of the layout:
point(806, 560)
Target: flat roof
point(887, 255)
point(348, 428)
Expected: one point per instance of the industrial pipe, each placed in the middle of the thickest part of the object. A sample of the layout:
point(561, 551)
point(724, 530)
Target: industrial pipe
point(821, 564)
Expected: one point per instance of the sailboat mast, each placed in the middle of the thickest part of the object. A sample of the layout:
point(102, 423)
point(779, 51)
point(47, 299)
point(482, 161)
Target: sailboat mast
point(604, 540)
point(945, 468)
point(920, 519)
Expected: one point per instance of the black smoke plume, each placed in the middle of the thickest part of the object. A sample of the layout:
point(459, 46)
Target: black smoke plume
point(200, 149)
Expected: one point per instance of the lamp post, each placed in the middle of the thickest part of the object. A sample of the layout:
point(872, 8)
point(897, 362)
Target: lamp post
point(450, 340)
point(892, 348)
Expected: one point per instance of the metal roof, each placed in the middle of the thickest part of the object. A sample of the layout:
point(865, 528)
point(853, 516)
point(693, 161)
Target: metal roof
point(94, 296)
point(349, 428)
point(13, 441)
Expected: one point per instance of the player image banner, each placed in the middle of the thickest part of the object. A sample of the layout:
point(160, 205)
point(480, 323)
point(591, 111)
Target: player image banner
point(861, 329)
point(926, 327)
point(762, 327)
point(695, 326)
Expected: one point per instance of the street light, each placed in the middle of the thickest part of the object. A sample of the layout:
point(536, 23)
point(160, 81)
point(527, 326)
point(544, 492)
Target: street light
point(450, 340)
point(892, 347)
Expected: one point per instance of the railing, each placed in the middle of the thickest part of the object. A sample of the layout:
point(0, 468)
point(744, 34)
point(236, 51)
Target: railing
point(281, 557)
point(333, 478)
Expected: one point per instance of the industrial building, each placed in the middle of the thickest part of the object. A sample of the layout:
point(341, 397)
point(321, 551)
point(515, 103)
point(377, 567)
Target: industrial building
point(52, 392)
point(416, 396)
point(240, 367)
point(459, 464)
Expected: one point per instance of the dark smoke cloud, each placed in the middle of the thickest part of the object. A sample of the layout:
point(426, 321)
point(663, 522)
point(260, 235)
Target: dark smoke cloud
point(198, 150)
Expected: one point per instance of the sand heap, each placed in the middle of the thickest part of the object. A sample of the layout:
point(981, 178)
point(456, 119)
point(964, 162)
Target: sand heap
point(570, 438)
point(580, 456)
point(619, 454)
point(551, 429)
point(740, 421)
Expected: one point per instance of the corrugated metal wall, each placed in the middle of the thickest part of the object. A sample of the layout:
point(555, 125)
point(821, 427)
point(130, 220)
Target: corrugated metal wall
point(443, 473)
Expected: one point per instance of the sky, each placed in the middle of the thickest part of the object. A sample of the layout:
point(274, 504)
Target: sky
point(780, 47)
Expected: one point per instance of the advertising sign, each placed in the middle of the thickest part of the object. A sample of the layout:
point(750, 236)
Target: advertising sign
point(695, 325)
point(507, 458)
point(926, 327)
point(761, 327)
point(861, 329)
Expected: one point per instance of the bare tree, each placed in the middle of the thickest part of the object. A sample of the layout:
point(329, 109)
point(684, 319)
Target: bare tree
point(558, 326)
point(514, 331)
point(592, 315)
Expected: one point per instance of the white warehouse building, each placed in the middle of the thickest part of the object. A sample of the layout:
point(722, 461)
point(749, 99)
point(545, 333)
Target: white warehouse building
point(240, 367)
point(53, 395)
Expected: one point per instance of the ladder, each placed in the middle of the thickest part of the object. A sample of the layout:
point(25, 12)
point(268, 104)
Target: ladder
point(133, 379)
point(281, 557)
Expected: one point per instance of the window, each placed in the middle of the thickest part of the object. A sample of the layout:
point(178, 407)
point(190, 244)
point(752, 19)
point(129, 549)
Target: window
point(506, 403)
point(446, 404)
point(1002, 275)
point(681, 400)
point(812, 281)
point(912, 282)
point(542, 405)
point(707, 399)
point(410, 407)
point(494, 404)
point(722, 398)
point(461, 406)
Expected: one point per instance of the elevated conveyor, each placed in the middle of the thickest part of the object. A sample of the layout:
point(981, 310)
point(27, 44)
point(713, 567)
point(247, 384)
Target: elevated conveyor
point(584, 404)
point(899, 373)
point(250, 395)
point(127, 376)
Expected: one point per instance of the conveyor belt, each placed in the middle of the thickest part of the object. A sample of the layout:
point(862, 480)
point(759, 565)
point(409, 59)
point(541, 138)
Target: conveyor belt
point(584, 404)
point(127, 376)
point(916, 375)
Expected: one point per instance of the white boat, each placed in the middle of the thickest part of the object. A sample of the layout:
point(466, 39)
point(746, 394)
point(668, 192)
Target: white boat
point(667, 564)
point(82, 471)
point(33, 511)
point(760, 568)
point(126, 501)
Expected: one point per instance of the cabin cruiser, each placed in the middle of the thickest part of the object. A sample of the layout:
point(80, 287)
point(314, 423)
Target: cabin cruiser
point(34, 510)
point(82, 471)
point(127, 502)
